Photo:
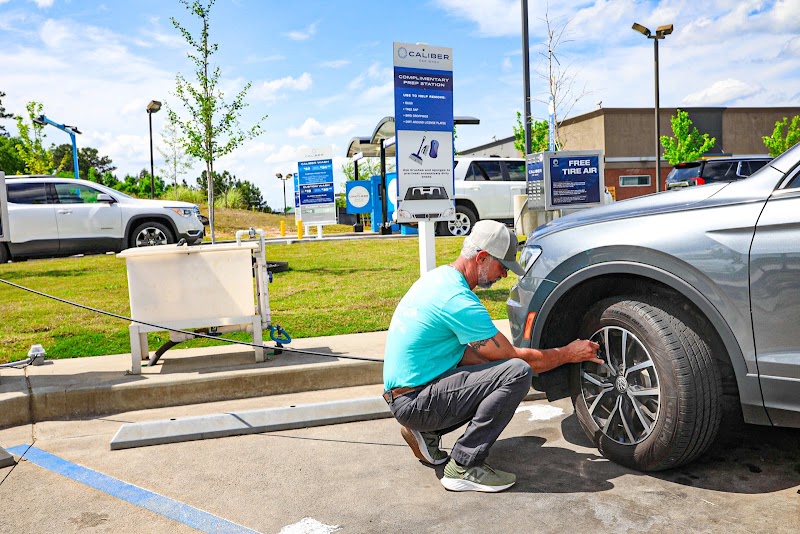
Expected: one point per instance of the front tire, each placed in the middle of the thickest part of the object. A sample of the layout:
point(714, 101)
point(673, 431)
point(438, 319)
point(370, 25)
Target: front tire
point(5, 256)
point(655, 404)
point(151, 234)
point(465, 219)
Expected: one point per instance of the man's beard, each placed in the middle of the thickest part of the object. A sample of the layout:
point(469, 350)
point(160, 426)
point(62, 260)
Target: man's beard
point(483, 276)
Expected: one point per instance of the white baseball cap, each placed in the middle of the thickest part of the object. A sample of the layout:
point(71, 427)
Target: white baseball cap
point(499, 241)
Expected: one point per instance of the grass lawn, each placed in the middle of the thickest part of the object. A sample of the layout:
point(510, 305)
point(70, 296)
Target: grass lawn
point(332, 287)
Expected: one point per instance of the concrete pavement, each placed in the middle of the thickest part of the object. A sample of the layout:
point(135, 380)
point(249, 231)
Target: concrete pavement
point(100, 385)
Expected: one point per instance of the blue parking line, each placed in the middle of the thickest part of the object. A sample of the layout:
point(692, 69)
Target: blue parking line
point(178, 511)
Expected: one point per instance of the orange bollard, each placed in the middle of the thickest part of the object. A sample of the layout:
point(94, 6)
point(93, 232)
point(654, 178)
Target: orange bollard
point(283, 228)
point(299, 229)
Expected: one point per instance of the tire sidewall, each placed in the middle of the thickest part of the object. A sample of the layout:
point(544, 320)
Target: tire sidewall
point(161, 226)
point(657, 446)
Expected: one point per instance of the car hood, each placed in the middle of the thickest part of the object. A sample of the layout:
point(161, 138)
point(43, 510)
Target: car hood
point(664, 202)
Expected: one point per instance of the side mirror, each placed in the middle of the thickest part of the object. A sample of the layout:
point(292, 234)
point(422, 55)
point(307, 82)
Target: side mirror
point(105, 197)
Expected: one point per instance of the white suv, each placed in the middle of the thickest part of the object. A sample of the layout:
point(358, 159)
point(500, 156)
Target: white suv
point(485, 188)
point(50, 216)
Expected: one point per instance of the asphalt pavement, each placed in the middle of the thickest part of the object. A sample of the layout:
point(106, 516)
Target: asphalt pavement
point(351, 477)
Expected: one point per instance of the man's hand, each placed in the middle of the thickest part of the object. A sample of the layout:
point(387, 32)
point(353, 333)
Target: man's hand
point(582, 350)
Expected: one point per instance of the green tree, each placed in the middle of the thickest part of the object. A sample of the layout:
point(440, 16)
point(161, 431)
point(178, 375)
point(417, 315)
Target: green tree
point(687, 143)
point(539, 136)
point(88, 158)
point(10, 160)
point(784, 136)
point(31, 149)
point(4, 115)
point(212, 130)
point(176, 161)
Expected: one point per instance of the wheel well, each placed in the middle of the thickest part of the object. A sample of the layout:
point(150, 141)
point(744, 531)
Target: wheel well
point(468, 204)
point(563, 322)
point(133, 223)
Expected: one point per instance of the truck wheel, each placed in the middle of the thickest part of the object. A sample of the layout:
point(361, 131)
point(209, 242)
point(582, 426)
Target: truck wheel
point(465, 219)
point(150, 234)
point(655, 404)
point(5, 257)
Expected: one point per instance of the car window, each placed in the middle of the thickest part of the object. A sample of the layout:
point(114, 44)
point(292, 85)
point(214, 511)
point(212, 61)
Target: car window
point(680, 174)
point(719, 170)
point(26, 193)
point(474, 173)
point(516, 171)
point(795, 183)
point(755, 165)
point(76, 194)
point(491, 170)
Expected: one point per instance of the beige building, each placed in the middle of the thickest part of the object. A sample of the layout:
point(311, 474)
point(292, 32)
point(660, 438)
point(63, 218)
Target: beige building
point(626, 137)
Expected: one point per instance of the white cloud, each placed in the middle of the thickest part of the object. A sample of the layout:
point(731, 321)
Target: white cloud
point(494, 17)
point(303, 35)
point(311, 127)
point(336, 63)
point(722, 92)
point(507, 65)
point(43, 3)
point(272, 89)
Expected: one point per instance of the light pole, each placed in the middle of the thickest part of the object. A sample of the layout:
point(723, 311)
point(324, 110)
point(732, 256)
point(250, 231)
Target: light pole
point(152, 107)
point(71, 130)
point(661, 32)
point(284, 179)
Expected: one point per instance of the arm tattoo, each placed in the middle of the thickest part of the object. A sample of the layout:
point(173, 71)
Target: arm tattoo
point(476, 345)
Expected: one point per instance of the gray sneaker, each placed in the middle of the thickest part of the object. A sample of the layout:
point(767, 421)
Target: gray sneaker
point(425, 445)
point(476, 478)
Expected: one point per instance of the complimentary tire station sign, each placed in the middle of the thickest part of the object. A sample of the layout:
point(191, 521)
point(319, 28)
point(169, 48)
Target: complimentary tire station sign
point(565, 179)
point(423, 110)
point(316, 204)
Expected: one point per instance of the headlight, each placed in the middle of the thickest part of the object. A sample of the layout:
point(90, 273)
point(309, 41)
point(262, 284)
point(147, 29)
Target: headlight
point(529, 256)
point(448, 212)
point(404, 214)
point(184, 212)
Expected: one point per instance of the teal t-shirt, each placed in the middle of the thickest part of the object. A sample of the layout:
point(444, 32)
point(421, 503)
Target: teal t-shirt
point(431, 327)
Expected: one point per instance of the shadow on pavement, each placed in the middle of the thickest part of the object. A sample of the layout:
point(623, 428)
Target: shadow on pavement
point(747, 459)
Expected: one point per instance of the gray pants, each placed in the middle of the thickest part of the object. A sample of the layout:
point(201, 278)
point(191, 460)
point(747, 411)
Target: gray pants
point(486, 396)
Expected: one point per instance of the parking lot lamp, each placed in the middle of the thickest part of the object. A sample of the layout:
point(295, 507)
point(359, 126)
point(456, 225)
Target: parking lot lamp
point(284, 179)
point(152, 107)
point(661, 32)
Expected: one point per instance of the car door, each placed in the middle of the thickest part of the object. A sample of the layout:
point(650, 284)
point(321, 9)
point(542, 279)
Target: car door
point(775, 302)
point(490, 190)
point(31, 219)
point(84, 224)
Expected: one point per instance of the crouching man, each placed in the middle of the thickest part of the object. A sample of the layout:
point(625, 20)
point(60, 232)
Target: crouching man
point(446, 364)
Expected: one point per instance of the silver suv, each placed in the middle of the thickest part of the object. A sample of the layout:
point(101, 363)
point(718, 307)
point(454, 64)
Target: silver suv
point(484, 189)
point(694, 298)
point(50, 216)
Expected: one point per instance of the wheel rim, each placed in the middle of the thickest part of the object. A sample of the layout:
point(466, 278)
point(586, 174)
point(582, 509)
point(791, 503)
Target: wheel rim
point(460, 226)
point(622, 396)
point(151, 236)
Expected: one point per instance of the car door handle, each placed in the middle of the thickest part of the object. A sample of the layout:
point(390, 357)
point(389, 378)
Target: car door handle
point(65, 212)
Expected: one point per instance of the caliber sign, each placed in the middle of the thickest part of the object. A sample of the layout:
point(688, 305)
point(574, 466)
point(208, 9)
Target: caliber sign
point(423, 110)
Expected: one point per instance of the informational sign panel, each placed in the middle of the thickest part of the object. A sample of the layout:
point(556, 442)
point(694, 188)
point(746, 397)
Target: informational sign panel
point(535, 181)
point(573, 179)
point(4, 229)
point(315, 197)
point(423, 111)
point(358, 197)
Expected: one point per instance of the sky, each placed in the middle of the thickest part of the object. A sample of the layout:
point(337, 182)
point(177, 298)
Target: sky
point(321, 71)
